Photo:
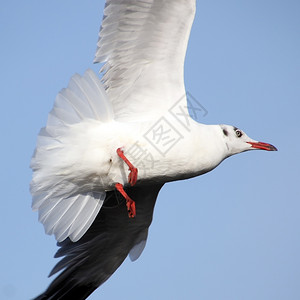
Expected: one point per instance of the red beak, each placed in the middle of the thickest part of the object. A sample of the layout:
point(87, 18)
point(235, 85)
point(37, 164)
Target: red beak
point(262, 146)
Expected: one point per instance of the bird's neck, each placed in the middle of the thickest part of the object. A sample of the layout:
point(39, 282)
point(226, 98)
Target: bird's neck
point(209, 148)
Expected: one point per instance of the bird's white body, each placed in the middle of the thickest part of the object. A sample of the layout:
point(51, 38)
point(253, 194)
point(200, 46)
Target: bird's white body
point(92, 164)
point(92, 158)
point(76, 163)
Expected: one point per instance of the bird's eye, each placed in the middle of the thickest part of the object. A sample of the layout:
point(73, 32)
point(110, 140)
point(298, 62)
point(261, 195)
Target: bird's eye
point(238, 133)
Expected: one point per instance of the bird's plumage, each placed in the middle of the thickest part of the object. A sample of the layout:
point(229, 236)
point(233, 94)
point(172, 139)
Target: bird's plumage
point(65, 209)
point(138, 39)
point(139, 109)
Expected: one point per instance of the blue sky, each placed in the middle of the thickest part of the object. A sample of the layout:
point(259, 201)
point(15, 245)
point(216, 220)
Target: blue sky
point(239, 235)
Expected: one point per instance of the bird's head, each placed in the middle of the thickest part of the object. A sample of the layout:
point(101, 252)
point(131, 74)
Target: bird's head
point(237, 141)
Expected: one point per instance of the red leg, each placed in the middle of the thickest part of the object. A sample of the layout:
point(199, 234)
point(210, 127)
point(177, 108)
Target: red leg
point(129, 202)
point(132, 177)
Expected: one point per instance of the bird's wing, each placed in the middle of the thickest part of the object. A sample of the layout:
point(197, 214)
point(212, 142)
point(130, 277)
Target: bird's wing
point(143, 45)
point(90, 261)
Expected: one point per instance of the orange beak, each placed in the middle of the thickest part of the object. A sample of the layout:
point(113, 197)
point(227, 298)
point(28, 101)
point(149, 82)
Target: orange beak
point(262, 146)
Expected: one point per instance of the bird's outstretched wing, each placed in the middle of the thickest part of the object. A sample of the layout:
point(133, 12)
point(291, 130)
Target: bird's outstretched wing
point(89, 262)
point(143, 45)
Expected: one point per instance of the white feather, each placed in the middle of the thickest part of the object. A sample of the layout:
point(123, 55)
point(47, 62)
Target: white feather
point(67, 207)
point(143, 59)
point(86, 217)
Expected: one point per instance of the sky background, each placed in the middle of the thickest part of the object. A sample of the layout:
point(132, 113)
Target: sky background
point(239, 236)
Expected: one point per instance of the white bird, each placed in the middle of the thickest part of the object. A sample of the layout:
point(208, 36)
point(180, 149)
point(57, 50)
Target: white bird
point(136, 117)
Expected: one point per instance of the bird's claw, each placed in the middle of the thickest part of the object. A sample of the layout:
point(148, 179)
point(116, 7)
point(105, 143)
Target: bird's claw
point(132, 177)
point(129, 202)
point(131, 208)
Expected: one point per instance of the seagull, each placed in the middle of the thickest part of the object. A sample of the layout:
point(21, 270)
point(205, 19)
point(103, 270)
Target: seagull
point(110, 144)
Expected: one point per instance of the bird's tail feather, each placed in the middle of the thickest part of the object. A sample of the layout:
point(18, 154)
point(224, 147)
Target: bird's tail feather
point(84, 98)
point(63, 210)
